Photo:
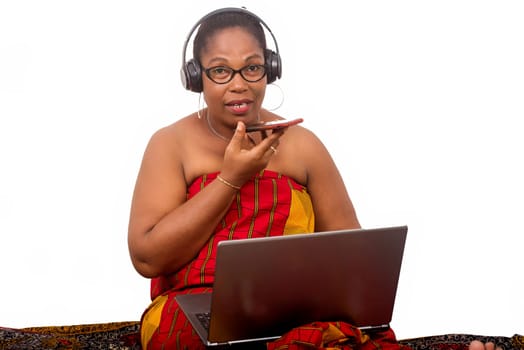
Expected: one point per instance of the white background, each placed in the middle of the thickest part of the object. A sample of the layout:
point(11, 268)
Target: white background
point(419, 103)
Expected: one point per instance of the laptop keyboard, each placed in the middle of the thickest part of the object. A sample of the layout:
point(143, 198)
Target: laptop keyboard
point(204, 318)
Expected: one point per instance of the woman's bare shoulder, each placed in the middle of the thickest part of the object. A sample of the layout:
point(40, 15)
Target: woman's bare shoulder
point(179, 127)
point(175, 135)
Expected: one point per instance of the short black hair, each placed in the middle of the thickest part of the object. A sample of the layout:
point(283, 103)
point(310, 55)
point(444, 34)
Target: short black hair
point(227, 19)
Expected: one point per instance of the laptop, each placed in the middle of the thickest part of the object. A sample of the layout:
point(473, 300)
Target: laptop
point(264, 287)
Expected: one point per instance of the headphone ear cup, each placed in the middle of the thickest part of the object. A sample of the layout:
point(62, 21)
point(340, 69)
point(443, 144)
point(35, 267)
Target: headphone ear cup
point(191, 76)
point(273, 66)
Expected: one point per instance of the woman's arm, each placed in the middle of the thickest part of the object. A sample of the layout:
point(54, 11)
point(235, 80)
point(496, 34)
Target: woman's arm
point(165, 229)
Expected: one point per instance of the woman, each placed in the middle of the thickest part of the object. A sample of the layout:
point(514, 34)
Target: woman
point(198, 176)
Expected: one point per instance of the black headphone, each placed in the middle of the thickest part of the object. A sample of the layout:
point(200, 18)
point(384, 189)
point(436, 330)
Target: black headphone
point(191, 72)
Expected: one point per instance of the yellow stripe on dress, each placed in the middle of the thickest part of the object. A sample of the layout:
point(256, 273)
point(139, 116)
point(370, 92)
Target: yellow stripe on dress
point(151, 320)
point(301, 216)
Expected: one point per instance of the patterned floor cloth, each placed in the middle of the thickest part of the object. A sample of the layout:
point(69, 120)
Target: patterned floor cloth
point(461, 342)
point(106, 336)
point(125, 336)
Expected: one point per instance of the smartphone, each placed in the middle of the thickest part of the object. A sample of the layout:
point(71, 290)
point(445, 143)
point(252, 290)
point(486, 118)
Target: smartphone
point(273, 124)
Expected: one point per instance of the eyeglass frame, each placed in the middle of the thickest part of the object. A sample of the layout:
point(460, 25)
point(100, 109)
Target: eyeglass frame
point(234, 72)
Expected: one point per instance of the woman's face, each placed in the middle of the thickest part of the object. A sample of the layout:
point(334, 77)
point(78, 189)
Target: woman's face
point(237, 99)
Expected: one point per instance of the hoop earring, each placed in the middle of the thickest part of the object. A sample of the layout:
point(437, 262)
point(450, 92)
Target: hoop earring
point(282, 97)
point(200, 103)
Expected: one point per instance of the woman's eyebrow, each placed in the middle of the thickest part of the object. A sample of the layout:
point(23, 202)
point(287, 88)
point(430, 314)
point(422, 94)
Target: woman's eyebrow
point(223, 60)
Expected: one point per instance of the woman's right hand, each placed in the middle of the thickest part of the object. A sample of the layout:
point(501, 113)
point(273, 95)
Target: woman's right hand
point(240, 163)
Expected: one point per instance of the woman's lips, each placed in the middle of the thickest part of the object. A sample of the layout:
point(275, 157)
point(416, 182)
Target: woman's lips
point(238, 108)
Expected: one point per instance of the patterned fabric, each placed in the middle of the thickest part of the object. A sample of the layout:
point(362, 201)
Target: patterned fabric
point(335, 335)
point(164, 325)
point(125, 336)
point(270, 204)
point(115, 336)
point(461, 342)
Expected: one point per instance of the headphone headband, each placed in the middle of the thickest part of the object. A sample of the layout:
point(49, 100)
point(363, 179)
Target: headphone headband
point(191, 72)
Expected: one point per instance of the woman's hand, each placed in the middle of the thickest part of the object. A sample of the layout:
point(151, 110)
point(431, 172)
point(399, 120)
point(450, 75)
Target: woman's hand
point(478, 345)
point(240, 163)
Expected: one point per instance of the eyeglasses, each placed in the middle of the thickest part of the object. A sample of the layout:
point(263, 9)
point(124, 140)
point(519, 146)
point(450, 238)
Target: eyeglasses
point(224, 74)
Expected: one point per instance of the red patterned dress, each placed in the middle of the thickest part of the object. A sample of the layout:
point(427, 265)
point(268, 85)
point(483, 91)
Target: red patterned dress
point(271, 204)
